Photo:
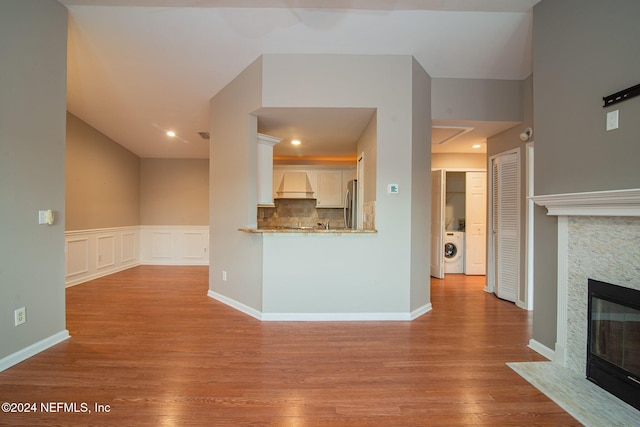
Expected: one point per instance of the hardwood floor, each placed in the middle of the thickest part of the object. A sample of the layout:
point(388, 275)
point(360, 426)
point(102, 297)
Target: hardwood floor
point(149, 343)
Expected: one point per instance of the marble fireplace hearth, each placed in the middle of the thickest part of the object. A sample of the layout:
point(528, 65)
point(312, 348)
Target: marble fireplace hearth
point(598, 238)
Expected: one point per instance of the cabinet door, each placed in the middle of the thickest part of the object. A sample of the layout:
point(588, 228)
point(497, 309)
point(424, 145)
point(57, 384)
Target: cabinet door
point(329, 190)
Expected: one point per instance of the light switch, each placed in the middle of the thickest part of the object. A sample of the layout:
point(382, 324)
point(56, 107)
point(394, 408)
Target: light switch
point(392, 189)
point(612, 120)
point(45, 217)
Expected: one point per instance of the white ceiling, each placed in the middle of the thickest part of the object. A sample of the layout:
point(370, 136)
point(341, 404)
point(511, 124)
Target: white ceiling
point(135, 72)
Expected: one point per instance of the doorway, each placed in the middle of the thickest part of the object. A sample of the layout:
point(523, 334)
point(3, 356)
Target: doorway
point(458, 222)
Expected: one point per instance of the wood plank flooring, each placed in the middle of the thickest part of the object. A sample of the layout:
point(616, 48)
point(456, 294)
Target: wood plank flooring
point(152, 346)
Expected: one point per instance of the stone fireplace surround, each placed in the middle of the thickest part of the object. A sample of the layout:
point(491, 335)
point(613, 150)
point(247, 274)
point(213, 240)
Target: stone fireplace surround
point(598, 238)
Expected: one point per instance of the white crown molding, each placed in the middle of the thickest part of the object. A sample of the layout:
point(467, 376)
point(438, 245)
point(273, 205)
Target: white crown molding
point(594, 203)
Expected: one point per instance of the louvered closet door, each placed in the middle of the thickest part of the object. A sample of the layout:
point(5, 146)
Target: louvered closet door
point(506, 225)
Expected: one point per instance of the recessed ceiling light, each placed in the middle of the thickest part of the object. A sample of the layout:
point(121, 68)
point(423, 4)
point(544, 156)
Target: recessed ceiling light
point(295, 142)
point(171, 133)
point(476, 146)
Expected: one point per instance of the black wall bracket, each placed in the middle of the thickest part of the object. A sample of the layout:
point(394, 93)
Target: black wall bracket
point(623, 95)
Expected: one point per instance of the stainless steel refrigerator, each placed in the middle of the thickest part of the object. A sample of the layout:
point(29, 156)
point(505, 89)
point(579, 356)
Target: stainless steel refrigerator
point(351, 205)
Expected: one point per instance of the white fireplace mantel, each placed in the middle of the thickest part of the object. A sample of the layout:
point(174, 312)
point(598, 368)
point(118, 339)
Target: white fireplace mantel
point(593, 203)
point(597, 203)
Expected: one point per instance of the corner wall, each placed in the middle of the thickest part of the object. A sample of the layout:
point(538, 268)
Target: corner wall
point(32, 175)
point(265, 273)
point(102, 180)
point(583, 50)
point(506, 141)
point(232, 190)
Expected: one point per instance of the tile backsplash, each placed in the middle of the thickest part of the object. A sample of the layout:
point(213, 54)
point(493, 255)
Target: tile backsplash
point(298, 213)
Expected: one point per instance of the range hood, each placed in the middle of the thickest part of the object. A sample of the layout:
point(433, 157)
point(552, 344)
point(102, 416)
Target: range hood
point(295, 185)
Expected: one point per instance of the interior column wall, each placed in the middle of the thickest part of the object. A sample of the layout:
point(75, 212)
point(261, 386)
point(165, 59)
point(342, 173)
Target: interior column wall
point(33, 49)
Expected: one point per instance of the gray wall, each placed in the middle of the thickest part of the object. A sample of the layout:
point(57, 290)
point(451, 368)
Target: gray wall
point(174, 192)
point(583, 50)
point(32, 145)
point(109, 186)
point(232, 189)
point(382, 82)
point(420, 186)
point(507, 141)
point(102, 180)
point(477, 99)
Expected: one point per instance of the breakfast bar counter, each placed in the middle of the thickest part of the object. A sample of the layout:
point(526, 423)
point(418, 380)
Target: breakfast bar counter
point(305, 230)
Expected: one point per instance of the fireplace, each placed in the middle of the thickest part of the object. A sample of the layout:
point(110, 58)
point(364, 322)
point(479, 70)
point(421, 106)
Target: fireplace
point(613, 340)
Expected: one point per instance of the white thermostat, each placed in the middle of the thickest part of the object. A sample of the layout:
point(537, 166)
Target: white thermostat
point(392, 188)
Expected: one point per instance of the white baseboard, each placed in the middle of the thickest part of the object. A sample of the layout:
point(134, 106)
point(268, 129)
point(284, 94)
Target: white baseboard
point(85, 278)
point(235, 304)
point(317, 317)
point(420, 311)
point(334, 317)
point(541, 349)
point(33, 349)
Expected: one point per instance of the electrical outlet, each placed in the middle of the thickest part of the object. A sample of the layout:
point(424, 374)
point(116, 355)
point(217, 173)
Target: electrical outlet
point(224, 276)
point(20, 316)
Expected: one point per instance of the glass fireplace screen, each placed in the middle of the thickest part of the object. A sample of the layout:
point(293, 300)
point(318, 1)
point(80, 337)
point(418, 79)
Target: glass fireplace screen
point(615, 334)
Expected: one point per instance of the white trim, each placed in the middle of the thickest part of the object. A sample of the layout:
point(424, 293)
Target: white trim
point(87, 277)
point(235, 304)
point(33, 349)
point(529, 225)
point(563, 284)
point(318, 317)
point(541, 349)
point(334, 317)
point(420, 311)
point(173, 251)
point(117, 245)
point(131, 246)
point(594, 203)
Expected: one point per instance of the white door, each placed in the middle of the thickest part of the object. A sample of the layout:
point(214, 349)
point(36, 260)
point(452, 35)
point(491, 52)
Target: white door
point(505, 219)
point(475, 223)
point(437, 223)
point(360, 185)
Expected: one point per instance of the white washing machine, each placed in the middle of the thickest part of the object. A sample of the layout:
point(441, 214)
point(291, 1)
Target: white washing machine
point(454, 251)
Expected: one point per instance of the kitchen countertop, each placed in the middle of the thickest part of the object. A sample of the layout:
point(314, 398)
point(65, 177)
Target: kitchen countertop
point(305, 230)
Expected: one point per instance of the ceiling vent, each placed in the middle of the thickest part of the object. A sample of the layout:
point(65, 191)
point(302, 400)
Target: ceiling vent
point(204, 135)
point(442, 134)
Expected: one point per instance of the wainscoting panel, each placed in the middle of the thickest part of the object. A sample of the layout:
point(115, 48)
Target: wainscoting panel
point(161, 245)
point(194, 244)
point(174, 245)
point(95, 253)
point(106, 251)
point(128, 248)
point(77, 256)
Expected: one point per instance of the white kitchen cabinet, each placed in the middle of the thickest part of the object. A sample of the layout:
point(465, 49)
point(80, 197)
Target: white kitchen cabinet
point(265, 169)
point(328, 182)
point(331, 186)
point(330, 189)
